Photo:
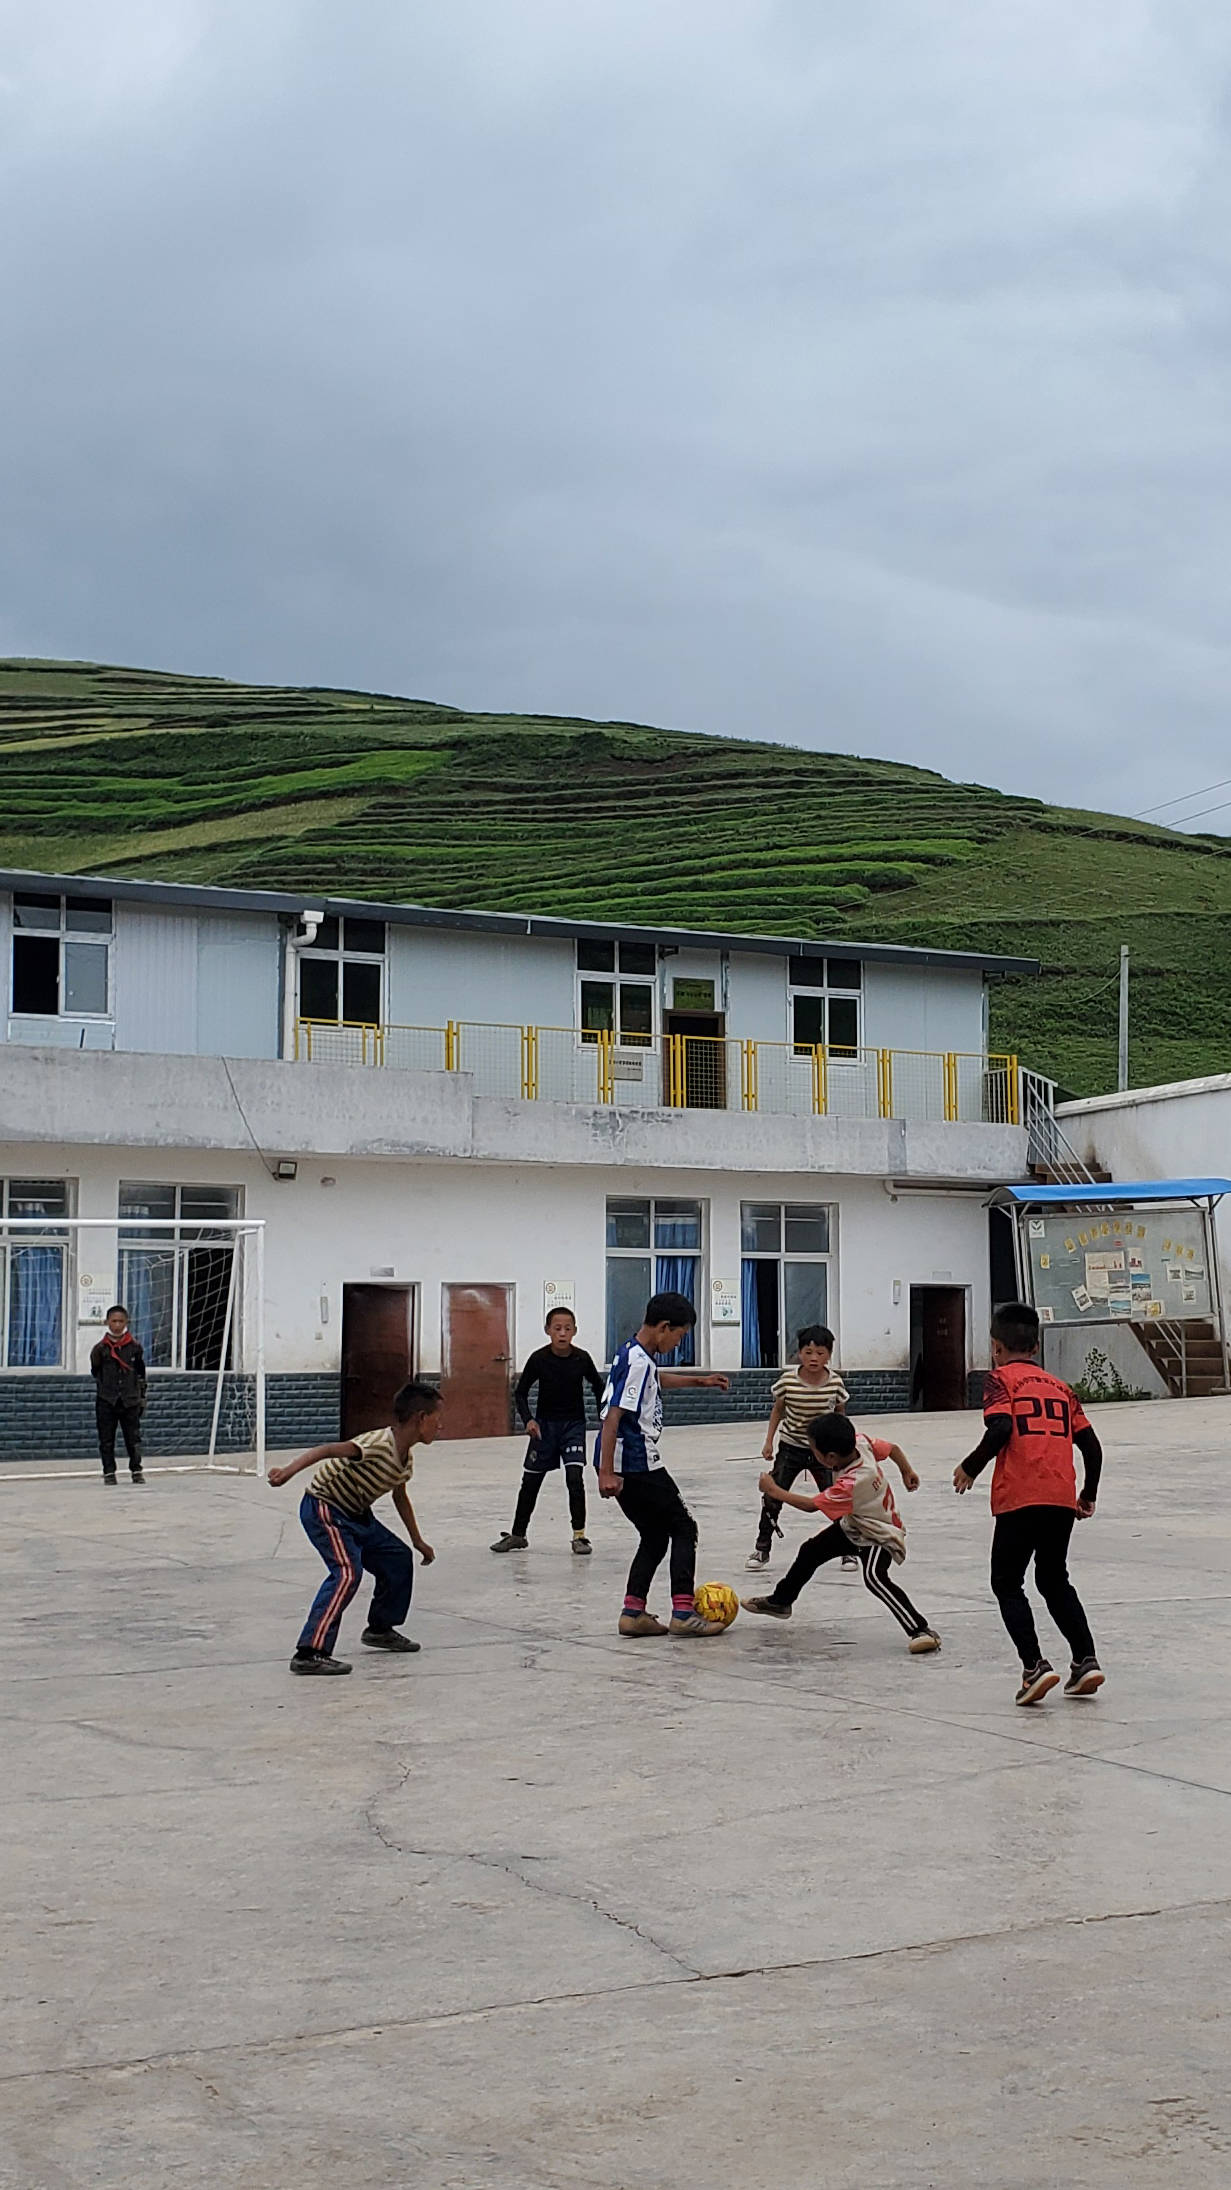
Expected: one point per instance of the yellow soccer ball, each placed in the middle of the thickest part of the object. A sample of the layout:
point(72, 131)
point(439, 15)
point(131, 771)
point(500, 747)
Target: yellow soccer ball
point(717, 1601)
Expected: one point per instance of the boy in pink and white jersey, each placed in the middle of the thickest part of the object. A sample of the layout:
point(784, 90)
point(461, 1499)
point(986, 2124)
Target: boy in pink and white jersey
point(862, 1518)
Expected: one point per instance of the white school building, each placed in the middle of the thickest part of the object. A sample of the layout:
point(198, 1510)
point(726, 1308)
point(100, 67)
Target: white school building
point(445, 1121)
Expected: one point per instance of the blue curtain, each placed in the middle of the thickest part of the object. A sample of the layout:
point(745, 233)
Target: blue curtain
point(36, 1307)
point(147, 1277)
point(751, 1314)
point(677, 1274)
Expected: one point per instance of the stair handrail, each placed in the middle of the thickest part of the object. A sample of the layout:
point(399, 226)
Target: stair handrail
point(1047, 1142)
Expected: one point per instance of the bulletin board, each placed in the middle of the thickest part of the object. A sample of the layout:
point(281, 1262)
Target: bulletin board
point(1144, 1265)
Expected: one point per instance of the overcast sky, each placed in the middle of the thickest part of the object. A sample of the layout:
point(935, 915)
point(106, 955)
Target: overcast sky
point(846, 372)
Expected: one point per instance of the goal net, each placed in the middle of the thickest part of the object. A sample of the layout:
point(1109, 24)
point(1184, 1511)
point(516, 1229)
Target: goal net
point(193, 1286)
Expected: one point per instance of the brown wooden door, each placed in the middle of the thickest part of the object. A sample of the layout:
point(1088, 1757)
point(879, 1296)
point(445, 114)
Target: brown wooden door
point(704, 1058)
point(938, 1317)
point(477, 1352)
point(377, 1349)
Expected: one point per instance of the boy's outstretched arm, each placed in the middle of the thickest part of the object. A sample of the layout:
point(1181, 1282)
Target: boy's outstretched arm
point(677, 1378)
point(345, 1451)
point(994, 1439)
point(774, 1490)
point(776, 1413)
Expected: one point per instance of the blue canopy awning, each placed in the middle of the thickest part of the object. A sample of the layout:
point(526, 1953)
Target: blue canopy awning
point(1109, 1194)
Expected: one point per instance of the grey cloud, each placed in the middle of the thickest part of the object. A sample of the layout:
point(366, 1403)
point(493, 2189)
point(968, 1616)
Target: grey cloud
point(852, 376)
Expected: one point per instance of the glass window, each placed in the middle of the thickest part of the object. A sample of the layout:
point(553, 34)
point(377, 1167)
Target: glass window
point(807, 1228)
point(843, 973)
point(36, 974)
point(595, 957)
point(85, 978)
point(636, 1013)
point(318, 988)
point(628, 1224)
point(784, 1276)
point(52, 973)
point(633, 1274)
point(639, 958)
point(33, 1274)
point(360, 992)
point(807, 1021)
point(597, 1009)
point(341, 973)
point(179, 1285)
point(843, 1024)
point(761, 1227)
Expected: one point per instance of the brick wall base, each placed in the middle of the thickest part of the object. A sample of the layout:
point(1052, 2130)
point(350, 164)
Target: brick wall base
point(52, 1417)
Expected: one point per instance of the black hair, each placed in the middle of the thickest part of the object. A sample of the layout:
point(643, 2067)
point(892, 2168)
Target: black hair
point(814, 1334)
point(832, 1433)
point(413, 1399)
point(673, 1308)
point(1016, 1325)
point(560, 1311)
point(117, 1308)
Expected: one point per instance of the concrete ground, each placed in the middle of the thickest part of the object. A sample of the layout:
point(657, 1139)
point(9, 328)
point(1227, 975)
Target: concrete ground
point(545, 1910)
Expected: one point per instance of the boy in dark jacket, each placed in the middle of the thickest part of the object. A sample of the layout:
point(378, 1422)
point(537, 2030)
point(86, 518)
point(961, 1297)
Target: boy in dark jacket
point(557, 1429)
point(117, 1366)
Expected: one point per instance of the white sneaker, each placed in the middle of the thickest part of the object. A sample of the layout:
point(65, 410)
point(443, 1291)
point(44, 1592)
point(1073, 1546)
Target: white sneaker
point(756, 1562)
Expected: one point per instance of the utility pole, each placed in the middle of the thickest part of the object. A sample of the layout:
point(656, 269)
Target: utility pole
point(1122, 1071)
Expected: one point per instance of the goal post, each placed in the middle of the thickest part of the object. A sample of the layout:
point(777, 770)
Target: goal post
point(194, 1289)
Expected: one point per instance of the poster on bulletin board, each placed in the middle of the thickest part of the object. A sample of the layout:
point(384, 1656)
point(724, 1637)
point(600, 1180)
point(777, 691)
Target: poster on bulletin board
point(724, 1301)
point(1144, 1264)
point(559, 1293)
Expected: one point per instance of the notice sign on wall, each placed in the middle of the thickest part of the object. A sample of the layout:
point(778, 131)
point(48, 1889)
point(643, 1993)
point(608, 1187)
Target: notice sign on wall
point(559, 1293)
point(692, 995)
point(724, 1301)
point(95, 1294)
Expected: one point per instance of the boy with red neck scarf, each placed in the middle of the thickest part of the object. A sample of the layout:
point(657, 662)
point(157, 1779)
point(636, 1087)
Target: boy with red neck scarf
point(117, 1365)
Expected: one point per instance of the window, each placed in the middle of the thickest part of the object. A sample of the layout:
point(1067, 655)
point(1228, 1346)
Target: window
point(341, 974)
point(615, 992)
point(61, 948)
point(784, 1276)
point(652, 1247)
point(825, 995)
point(177, 1283)
point(33, 1273)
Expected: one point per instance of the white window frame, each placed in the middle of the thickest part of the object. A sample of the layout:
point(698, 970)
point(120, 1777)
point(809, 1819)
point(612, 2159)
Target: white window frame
point(826, 990)
point(30, 1237)
point(341, 957)
point(180, 1244)
point(652, 1253)
point(635, 1044)
point(64, 933)
point(782, 1255)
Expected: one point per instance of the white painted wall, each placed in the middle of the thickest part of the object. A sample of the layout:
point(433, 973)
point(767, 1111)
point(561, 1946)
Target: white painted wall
point(923, 1007)
point(757, 990)
point(435, 1223)
point(438, 974)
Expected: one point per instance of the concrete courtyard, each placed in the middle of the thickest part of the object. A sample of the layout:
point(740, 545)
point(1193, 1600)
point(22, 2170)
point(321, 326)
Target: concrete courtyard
point(544, 1910)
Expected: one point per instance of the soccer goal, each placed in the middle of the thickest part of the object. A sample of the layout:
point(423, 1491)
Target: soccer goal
point(193, 1284)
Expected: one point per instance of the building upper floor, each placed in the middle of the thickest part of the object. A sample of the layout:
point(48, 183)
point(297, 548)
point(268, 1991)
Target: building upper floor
point(605, 1015)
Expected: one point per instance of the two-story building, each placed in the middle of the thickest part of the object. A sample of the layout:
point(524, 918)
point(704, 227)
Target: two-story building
point(449, 1120)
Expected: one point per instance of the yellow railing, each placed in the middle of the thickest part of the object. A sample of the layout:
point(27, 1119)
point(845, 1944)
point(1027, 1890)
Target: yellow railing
point(684, 1071)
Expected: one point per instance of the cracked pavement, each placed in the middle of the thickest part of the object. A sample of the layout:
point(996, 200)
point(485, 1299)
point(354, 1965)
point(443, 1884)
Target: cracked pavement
point(540, 1907)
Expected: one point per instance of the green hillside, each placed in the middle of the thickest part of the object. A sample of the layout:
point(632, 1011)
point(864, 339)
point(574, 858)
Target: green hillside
point(136, 773)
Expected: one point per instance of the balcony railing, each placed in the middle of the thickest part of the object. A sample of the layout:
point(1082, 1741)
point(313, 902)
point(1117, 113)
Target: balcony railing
point(685, 1071)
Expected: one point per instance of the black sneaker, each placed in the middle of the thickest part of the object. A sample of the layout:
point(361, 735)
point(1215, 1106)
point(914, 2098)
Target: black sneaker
point(388, 1638)
point(312, 1662)
point(138, 1475)
point(1085, 1678)
point(582, 1547)
point(505, 1542)
point(767, 1605)
point(1036, 1683)
point(109, 1478)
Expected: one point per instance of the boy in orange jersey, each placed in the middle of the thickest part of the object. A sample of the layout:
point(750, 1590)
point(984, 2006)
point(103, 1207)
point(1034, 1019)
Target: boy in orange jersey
point(1033, 1422)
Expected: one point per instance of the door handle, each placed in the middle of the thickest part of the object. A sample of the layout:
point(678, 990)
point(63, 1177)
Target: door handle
point(499, 1357)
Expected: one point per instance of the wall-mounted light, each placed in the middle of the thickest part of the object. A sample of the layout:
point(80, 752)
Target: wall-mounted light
point(285, 1169)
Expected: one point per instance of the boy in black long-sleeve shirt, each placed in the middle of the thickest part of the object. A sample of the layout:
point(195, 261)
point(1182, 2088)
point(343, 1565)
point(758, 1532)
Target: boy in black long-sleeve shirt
point(556, 1429)
point(117, 1365)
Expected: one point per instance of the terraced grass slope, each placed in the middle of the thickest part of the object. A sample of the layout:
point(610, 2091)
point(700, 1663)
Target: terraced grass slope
point(133, 772)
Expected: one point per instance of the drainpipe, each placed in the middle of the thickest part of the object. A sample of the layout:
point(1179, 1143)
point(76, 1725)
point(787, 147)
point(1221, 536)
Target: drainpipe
point(309, 921)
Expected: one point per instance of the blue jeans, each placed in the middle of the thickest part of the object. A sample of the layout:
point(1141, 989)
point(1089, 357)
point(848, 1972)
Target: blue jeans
point(348, 1548)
